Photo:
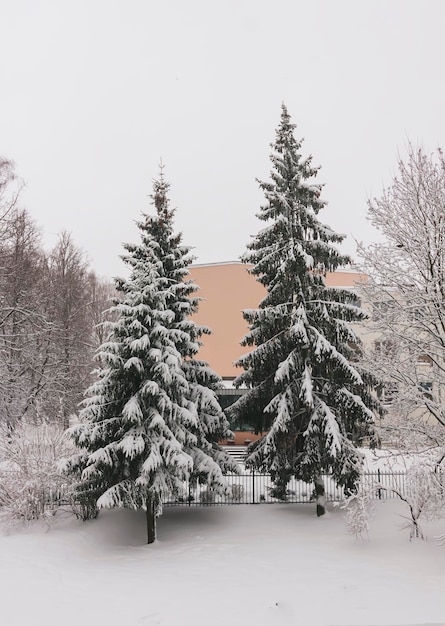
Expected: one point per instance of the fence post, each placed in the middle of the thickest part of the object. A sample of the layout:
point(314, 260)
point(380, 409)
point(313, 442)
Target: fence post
point(253, 486)
point(379, 491)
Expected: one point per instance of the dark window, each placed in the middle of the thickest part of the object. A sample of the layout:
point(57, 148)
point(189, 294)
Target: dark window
point(382, 308)
point(386, 392)
point(226, 398)
point(416, 313)
point(385, 347)
point(427, 389)
point(425, 359)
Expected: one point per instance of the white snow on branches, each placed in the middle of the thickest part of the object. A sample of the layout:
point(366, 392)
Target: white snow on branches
point(134, 362)
point(323, 419)
point(140, 344)
point(132, 444)
point(132, 410)
point(306, 389)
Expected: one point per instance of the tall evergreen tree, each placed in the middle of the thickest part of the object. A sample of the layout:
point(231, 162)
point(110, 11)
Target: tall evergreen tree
point(152, 420)
point(302, 387)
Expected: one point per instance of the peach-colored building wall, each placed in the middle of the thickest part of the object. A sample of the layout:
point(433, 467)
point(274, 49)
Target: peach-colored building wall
point(345, 279)
point(226, 289)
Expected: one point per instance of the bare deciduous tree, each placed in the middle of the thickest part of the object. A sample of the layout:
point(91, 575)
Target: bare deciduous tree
point(23, 326)
point(49, 307)
point(75, 307)
point(10, 187)
point(406, 294)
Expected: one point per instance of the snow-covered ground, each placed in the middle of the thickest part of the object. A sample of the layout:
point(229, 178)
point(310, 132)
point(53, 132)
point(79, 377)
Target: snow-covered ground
point(270, 564)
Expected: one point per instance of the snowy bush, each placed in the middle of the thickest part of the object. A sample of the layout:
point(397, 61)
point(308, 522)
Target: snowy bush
point(424, 495)
point(31, 485)
point(359, 510)
point(237, 492)
point(207, 496)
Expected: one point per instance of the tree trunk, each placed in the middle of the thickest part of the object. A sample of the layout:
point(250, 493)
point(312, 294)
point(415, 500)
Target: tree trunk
point(416, 530)
point(321, 497)
point(151, 521)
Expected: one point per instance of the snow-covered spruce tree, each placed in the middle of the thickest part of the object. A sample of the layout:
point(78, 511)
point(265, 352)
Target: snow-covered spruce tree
point(302, 387)
point(152, 420)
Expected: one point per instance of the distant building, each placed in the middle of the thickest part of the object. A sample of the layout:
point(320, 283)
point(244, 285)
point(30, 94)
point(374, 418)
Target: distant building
point(226, 290)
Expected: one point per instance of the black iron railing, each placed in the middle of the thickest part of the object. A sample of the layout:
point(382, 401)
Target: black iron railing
point(255, 488)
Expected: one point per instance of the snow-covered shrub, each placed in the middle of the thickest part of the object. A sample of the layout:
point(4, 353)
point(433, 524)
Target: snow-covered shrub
point(186, 496)
point(83, 505)
point(359, 510)
point(207, 496)
point(31, 484)
point(424, 495)
point(237, 492)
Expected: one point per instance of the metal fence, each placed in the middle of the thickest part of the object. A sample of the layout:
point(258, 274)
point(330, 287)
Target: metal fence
point(249, 487)
point(254, 488)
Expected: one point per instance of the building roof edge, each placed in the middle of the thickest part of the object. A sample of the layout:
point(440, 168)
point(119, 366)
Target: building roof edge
point(215, 263)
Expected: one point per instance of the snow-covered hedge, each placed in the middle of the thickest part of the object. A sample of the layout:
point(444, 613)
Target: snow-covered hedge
point(31, 485)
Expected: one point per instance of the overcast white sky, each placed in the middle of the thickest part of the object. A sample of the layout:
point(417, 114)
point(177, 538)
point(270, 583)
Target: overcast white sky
point(95, 92)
